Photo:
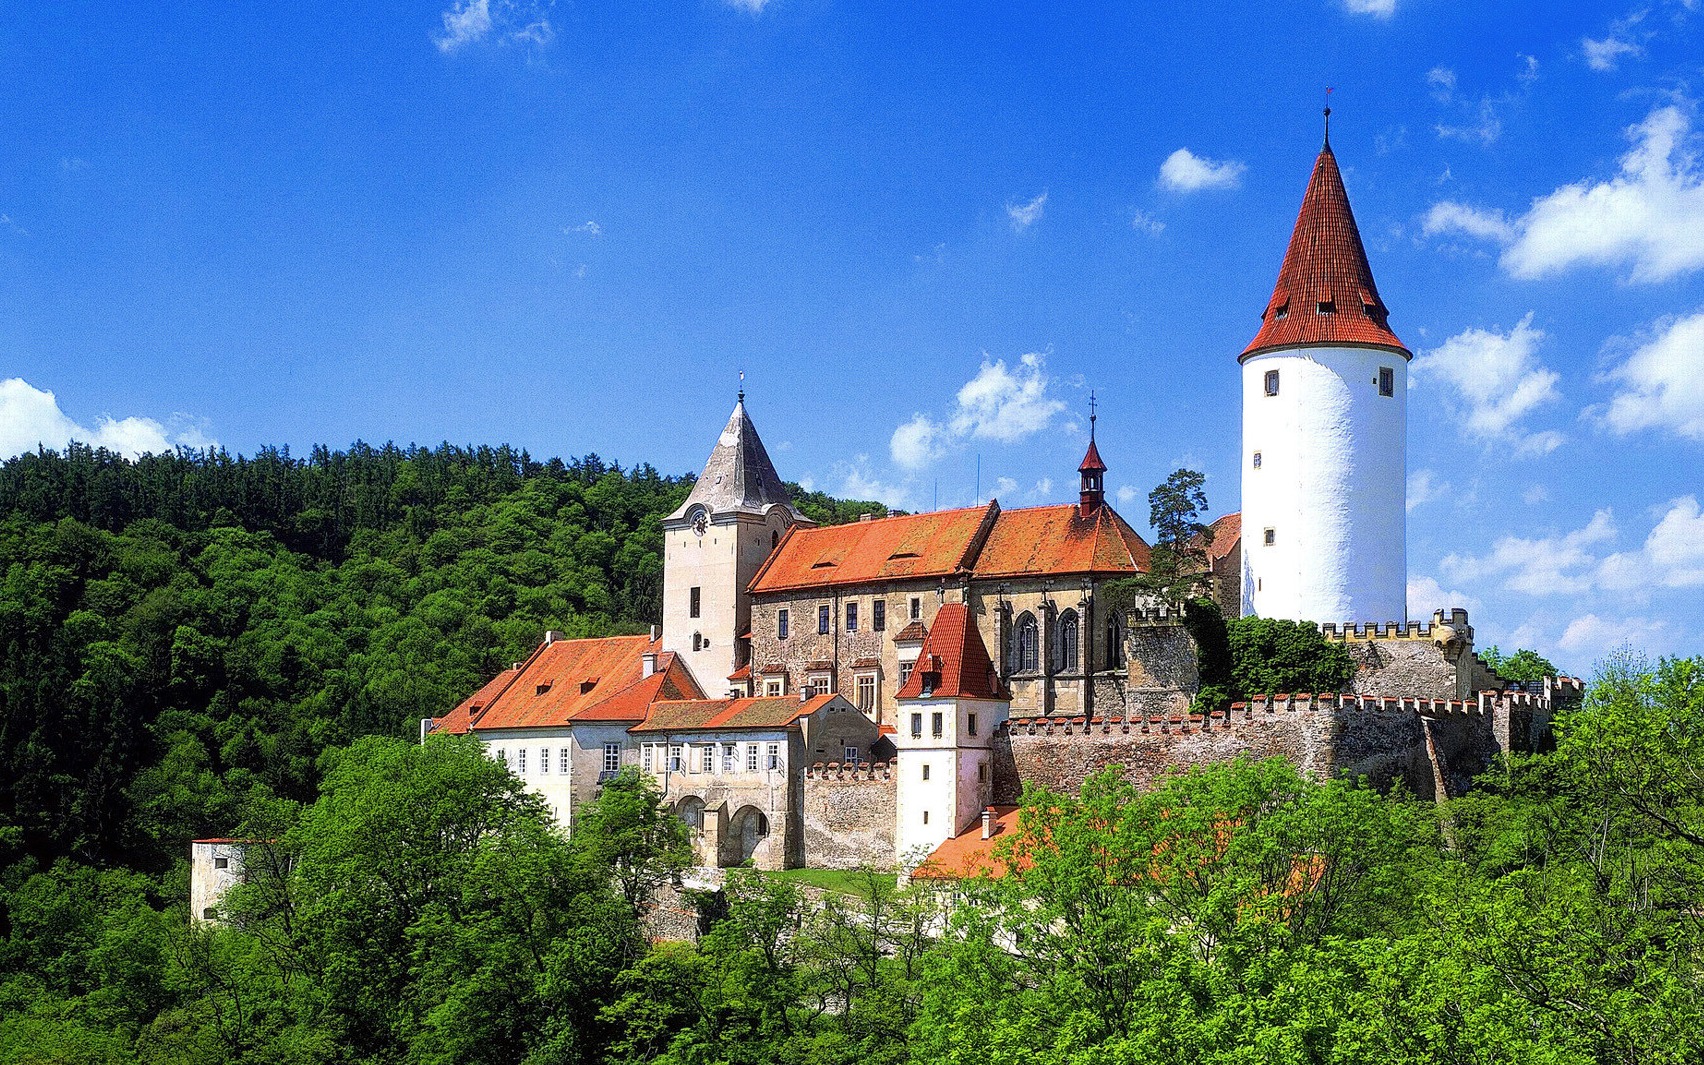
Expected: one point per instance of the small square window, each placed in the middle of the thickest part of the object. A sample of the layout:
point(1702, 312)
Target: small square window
point(221, 863)
point(1272, 382)
point(773, 688)
point(1270, 537)
point(1257, 460)
point(1387, 381)
point(1327, 307)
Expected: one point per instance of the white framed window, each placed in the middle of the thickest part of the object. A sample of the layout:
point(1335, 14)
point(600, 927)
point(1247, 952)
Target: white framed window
point(562, 759)
point(221, 863)
point(751, 757)
point(612, 758)
point(774, 686)
point(866, 692)
point(852, 755)
point(905, 669)
point(773, 756)
point(730, 756)
point(818, 684)
point(916, 726)
point(707, 758)
point(674, 757)
point(521, 761)
point(935, 724)
point(645, 757)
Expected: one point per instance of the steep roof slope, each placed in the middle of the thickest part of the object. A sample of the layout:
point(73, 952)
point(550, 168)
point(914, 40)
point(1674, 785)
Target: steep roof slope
point(936, 544)
point(738, 475)
point(701, 715)
point(953, 662)
point(1325, 265)
point(1059, 540)
point(575, 680)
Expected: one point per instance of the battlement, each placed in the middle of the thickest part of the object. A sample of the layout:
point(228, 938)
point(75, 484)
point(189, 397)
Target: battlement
point(849, 772)
point(1154, 615)
point(1413, 630)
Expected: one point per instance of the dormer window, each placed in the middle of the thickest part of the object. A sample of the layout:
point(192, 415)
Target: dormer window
point(1327, 307)
point(1369, 310)
point(1282, 311)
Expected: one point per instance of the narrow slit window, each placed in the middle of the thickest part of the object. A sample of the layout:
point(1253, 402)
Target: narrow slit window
point(1272, 382)
point(1387, 381)
point(1257, 460)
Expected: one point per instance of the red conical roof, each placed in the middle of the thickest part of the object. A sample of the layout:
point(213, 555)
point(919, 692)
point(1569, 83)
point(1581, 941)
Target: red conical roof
point(1325, 294)
point(953, 662)
point(1091, 460)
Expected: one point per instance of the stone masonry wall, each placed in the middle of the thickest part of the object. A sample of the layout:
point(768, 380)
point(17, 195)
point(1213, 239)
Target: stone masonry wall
point(849, 816)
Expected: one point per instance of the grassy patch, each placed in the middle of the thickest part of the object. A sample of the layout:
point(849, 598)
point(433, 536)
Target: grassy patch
point(843, 881)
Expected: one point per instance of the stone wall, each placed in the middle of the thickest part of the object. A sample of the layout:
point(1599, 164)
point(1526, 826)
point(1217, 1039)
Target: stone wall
point(1432, 660)
point(849, 816)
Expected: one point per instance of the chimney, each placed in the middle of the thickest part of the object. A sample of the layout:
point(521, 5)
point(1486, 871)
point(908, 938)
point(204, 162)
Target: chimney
point(656, 631)
point(649, 660)
point(552, 635)
point(866, 517)
point(988, 822)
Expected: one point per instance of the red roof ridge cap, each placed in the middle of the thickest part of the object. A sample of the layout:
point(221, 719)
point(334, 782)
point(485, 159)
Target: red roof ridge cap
point(979, 539)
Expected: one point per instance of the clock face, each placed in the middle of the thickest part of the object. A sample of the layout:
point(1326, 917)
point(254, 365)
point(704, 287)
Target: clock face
point(700, 523)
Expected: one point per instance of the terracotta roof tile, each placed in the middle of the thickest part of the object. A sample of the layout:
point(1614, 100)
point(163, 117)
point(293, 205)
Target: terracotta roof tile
point(912, 633)
point(936, 544)
point(967, 854)
point(1325, 263)
point(457, 721)
point(700, 715)
point(953, 661)
point(1058, 539)
point(1227, 530)
point(742, 673)
point(593, 680)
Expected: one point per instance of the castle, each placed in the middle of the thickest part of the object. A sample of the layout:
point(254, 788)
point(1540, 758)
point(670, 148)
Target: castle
point(880, 692)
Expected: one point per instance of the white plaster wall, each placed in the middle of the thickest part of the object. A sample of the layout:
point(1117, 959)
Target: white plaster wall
point(207, 884)
point(1332, 486)
point(953, 795)
point(721, 564)
point(556, 786)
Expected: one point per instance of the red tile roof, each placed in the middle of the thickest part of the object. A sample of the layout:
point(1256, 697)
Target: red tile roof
point(967, 854)
point(953, 660)
point(1091, 460)
point(936, 544)
point(1325, 263)
point(742, 673)
point(912, 633)
point(1060, 540)
point(699, 715)
point(1227, 530)
point(575, 680)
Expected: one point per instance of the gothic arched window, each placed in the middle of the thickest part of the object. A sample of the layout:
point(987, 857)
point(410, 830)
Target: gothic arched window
point(1114, 644)
point(1068, 627)
point(1027, 645)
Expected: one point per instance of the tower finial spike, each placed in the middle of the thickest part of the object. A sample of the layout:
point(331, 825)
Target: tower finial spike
point(1091, 415)
point(742, 386)
point(1328, 116)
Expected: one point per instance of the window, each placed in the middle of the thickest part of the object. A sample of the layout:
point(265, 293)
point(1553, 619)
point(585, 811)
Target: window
point(562, 760)
point(982, 771)
point(1272, 382)
point(867, 692)
point(1026, 644)
point(751, 757)
point(707, 758)
point(774, 687)
point(1283, 311)
point(730, 756)
point(221, 863)
point(818, 684)
point(503, 756)
point(1068, 641)
point(521, 761)
point(916, 726)
point(674, 757)
point(697, 642)
point(925, 770)
point(773, 755)
point(916, 608)
point(544, 759)
point(878, 615)
point(905, 669)
point(645, 757)
point(925, 815)
point(970, 724)
point(1257, 460)
point(1269, 537)
point(1114, 644)
point(851, 617)
point(692, 600)
point(822, 621)
point(781, 624)
point(1387, 381)
point(852, 755)
point(1326, 307)
point(612, 758)
point(935, 724)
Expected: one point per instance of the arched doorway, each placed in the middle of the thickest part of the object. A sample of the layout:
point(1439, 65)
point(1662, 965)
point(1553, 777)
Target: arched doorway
point(749, 828)
point(691, 812)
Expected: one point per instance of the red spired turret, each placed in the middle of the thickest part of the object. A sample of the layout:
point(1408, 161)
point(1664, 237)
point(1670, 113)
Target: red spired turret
point(1325, 294)
point(1092, 472)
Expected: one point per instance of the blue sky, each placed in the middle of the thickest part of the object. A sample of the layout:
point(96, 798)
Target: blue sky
point(924, 231)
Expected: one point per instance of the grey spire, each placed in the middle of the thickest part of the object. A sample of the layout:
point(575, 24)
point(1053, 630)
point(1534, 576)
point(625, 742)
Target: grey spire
point(738, 475)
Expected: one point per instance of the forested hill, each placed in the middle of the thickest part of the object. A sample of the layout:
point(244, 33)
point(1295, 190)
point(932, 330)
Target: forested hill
point(179, 630)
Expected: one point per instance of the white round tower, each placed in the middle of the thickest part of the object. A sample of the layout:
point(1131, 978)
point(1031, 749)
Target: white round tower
point(1324, 455)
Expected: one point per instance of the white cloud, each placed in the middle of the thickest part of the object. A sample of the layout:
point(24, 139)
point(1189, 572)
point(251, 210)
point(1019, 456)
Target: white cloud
point(468, 22)
point(1499, 379)
point(588, 227)
point(1424, 487)
point(1545, 565)
point(1591, 638)
point(1661, 385)
point(1043, 488)
point(1127, 494)
point(30, 417)
point(1450, 217)
point(1672, 556)
point(1649, 217)
point(1442, 81)
point(1003, 404)
point(1529, 69)
point(1005, 486)
point(465, 22)
point(1184, 171)
point(857, 482)
point(1024, 215)
point(1535, 493)
point(1425, 595)
point(1376, 8)
point(1482, 124)
point(1143, 222)
point(1604, 55)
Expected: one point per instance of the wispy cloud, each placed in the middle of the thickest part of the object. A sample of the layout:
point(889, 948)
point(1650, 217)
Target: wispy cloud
point(1006, 405)
point(590, 228)
point(1024, 215)
point(1143, 222)
point(1425, 487)
point(1498, 379)
point(1661, 385)
point(1649, 217)
point(753, 7)
point(469, 22)
point(1605, 54)
point(1578, 561)
point(30, 417)
point(1184, 171)
point(1376, 8)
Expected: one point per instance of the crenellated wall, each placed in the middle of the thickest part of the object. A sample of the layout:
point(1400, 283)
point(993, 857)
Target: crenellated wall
point(849, 815)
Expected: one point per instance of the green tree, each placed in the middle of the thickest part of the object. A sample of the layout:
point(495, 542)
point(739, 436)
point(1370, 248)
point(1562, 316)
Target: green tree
point(1524, 665)
point(1271, 656)
point(628, 831)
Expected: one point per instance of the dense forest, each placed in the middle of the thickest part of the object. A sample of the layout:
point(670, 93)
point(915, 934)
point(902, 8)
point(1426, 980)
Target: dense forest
point(198, 644)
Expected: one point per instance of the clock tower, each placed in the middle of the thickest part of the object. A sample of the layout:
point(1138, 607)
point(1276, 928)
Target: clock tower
point(713, 546)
